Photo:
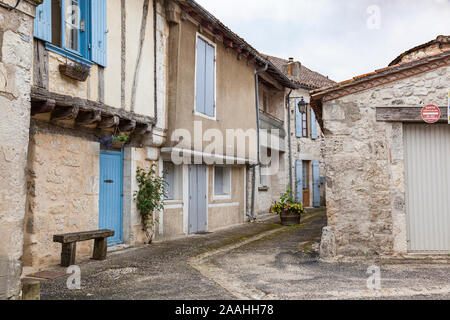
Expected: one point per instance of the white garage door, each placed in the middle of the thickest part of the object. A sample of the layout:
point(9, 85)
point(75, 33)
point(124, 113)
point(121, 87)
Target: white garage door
point(427, 158)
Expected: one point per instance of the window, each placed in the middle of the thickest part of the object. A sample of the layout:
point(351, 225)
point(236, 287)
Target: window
point(172, 176)
point(205, 85)
point(222, 181)
point(264, 168)
point(73, 28)
point(301, 123)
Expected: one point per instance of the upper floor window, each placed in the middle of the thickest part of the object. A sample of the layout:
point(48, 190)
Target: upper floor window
point(205, 74)
point(74, 28)
point(305, 127)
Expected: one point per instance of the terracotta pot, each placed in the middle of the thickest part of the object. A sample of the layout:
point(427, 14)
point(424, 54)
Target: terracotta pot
point(117, 144)
point(290, 219)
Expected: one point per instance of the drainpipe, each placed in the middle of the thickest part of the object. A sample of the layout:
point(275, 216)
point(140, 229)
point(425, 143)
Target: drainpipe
point(289, 139)
point(257, 72)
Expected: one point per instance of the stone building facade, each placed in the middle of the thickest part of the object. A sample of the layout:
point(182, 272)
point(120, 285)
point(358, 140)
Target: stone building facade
point(307, 165)
point(370, 190)
point(16, 47)
point(76, 180)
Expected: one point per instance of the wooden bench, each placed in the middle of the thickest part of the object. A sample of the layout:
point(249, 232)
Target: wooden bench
point(69, 244)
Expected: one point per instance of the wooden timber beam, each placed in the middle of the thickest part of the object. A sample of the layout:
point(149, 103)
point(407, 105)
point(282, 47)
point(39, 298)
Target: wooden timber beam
point(108, 122)
point(141, 128)
point(65, 113)
point(45, 106)
point(406, 114)
point(89, 117)
point(270, 81)
point(40, 94)
point(127, 125)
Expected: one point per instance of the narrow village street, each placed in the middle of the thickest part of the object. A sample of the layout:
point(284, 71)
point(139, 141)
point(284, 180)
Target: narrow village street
point(262, 260)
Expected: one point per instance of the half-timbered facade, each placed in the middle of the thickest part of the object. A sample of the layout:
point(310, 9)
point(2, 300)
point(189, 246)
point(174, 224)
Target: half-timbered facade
point(99, 71)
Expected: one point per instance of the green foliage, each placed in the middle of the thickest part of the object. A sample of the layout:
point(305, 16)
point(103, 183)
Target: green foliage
point(122, 138)
point(287, 204)
point(150, 196)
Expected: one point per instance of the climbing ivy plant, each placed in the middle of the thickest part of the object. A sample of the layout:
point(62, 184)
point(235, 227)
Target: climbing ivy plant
point(149, 197)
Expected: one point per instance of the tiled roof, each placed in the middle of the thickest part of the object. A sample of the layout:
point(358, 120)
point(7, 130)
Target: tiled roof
point(216, 24)
point(440, 40)
point(307, 77)
point(386, 75)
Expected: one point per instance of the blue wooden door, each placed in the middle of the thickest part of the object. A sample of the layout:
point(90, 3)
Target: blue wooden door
point(316, 183)
point(111, 194)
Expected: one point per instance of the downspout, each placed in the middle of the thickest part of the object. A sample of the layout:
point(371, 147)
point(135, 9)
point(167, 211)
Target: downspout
point(257, 72)
point(290, 139)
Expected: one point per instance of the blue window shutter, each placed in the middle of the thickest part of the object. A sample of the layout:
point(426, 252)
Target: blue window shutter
point(316, 183)
point(298, 122)
point(43, 21)
point(200, 76)
point(209, 80)
point(299, 179)
point(99, 29)
point(313, 125)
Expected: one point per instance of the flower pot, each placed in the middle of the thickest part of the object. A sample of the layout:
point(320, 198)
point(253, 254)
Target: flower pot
point(290, 219)
point(78, 73)
point(117, 144)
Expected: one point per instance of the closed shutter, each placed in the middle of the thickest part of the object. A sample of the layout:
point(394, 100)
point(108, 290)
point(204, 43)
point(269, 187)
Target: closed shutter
point(205, 78)
point(43, 21)
point(316, 183)
point(298, 122)
point(313, 125)
point(200, 76)
point(299, 180)
point(99, 30)
point(210, 81)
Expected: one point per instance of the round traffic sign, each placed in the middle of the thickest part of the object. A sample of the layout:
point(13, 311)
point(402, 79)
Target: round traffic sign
point(431, 114)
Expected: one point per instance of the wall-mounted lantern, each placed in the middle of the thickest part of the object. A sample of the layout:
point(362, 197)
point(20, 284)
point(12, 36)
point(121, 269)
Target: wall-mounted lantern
point(302, 106)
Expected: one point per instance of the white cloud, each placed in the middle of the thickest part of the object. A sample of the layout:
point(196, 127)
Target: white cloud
point(331, 36)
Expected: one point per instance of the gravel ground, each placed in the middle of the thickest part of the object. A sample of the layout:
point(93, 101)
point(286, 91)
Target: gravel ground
point(282, 264)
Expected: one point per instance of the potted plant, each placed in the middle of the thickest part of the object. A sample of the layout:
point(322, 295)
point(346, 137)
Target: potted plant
point(75, 71)
point(115, 142)
point(290, 211)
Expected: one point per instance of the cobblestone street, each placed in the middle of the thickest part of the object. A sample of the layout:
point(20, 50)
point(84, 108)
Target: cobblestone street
point(254, 261)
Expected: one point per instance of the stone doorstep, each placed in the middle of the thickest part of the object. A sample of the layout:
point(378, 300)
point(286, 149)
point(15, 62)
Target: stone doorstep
point(416, 259)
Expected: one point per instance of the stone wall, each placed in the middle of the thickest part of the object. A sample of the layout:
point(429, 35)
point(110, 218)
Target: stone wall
point(16, 51)
point(63, 195)
point(365, 163)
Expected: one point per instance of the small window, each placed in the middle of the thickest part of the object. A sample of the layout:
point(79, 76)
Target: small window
point(205, 82)
point(304, 125)
point(173, 177)
point(222, 181)
point(169, 177)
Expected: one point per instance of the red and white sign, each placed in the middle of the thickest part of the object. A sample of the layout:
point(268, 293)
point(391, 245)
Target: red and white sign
point(431, 114)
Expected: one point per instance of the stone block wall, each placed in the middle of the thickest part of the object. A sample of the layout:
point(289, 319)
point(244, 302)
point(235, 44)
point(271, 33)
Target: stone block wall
point(16, 51)
point(365, 163)
point(63, 195)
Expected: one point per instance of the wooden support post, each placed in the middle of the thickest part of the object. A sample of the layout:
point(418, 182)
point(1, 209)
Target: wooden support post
point(127, 125)
point(109, 122)
point(42, 106)
point(100, 248)
point(89, 117)
point(65, 113)
point(68, 254)
point(141, 128)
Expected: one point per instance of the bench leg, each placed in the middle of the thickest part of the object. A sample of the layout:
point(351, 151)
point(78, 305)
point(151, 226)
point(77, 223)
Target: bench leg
point(100, 247)
point(68, 254)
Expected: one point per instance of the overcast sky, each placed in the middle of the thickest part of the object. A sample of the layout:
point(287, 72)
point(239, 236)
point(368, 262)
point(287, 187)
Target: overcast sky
point(338, 38)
